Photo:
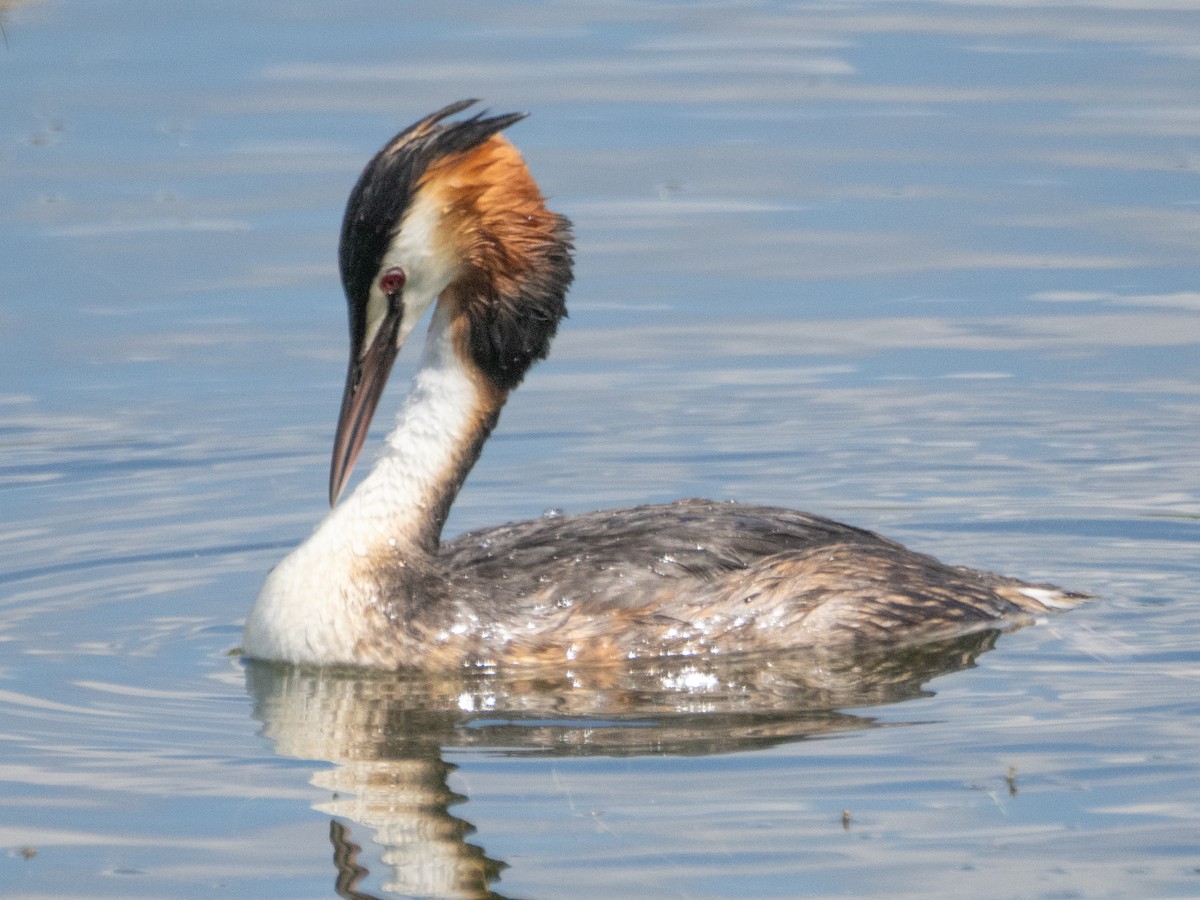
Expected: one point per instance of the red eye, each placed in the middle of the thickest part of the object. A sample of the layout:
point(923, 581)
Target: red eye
point(392, 281)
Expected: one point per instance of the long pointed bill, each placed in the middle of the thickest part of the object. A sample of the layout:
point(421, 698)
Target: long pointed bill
point(365, 380)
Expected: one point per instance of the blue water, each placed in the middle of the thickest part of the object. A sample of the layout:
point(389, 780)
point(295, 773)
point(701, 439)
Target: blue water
point(928, 268)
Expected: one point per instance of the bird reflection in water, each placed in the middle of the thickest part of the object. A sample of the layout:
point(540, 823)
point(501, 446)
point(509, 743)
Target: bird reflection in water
point(385, 734)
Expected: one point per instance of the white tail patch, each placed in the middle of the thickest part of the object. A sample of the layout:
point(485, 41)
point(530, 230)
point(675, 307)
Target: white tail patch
point(1052, 598)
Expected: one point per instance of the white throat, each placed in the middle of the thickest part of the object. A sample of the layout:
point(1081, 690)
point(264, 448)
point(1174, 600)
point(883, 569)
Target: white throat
point(313, 607)
point(421, 452)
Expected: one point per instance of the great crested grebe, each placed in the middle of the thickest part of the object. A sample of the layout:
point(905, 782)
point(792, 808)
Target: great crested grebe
point(447, 214)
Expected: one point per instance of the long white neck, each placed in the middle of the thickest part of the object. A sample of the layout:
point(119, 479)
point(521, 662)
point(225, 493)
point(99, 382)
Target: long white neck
point(317, 605)
point(407, 493)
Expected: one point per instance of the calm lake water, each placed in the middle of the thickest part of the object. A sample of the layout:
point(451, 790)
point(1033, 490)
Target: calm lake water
point(926, 267)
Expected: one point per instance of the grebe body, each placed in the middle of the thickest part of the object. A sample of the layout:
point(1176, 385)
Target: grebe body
point(447, 215)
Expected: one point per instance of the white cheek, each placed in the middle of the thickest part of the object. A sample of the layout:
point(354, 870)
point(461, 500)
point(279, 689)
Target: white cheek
point(428, 268)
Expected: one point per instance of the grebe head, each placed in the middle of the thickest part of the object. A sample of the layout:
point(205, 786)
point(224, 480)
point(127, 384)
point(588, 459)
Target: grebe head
point(447, 211)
